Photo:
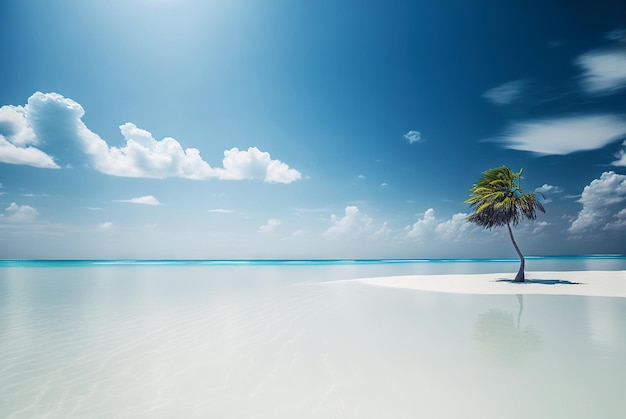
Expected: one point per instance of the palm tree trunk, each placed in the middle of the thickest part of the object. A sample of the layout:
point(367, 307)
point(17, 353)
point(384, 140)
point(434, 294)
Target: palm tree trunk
point(520, 274)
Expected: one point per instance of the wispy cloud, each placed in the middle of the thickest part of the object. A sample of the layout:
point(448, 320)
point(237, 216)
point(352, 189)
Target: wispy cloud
point(604, 71)
point(269, 226)
point(26, 132)
point(599, 200)
point(618, 34)
point(220, 211)
point(621, 156)
point(105, 226)
point(143, 200)
point(561, 136)
point(505, 93)
point(547, 191)
point(32, 195)
point(413, 137)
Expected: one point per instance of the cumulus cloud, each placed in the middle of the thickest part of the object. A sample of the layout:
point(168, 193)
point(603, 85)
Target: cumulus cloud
point(505, 93)
point(20, 213)
point(18, 140)
point(429, 227)
point(51, 125)
point(270, 226)
point(422, 226)
point(618, 222)
point(604, 71)
point(599, 200)
point(454, 228)
point(564, 135)
point(255, 164)
point(144, 200)
point(353, 222)
point(413, 137)
point(384, 231)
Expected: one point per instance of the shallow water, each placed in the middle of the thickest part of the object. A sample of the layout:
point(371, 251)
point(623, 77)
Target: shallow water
point(277, 340)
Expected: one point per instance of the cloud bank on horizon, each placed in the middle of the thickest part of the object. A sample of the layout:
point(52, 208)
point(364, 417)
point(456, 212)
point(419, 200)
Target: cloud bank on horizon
point(50, 120)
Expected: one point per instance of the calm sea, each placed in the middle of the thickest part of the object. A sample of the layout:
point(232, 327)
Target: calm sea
point(288, 339)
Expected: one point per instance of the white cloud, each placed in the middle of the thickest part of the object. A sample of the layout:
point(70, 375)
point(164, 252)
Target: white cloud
point(255, 164)
point(144, 200)
point(505, 93)
point(51, 121)
point(20, 213)
point(618, 34)
point(144, 156)
point(220, 211)
point(429, 228)
point(353, 222)
point(618, 221)
point(17, 140)
point(621, 157)
point(270, 226)
point(298, 233)
point(565, 135)
point(384, 184)
point(454, 228)
point(384, 231)
point(604, 71)
point(539, 227)
point(106, 225)
point(413, 137)
point(422, 227)
point(599, 199)
point(548, 189)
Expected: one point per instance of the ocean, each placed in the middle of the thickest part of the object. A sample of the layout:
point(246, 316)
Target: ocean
point(291, 339)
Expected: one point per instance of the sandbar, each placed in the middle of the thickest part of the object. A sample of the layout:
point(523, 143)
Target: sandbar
point(580, 283)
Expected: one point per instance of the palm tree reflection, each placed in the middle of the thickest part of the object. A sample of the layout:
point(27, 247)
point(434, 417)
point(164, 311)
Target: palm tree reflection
point(499, 334)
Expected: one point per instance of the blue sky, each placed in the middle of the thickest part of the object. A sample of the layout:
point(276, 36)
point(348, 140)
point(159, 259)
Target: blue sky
point(326, 129)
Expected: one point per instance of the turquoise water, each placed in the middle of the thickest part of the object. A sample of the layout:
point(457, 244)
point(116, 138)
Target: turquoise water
point(477, 265)
point(289, 339)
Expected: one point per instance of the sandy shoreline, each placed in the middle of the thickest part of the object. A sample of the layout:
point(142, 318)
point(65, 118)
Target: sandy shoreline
point(581, 283)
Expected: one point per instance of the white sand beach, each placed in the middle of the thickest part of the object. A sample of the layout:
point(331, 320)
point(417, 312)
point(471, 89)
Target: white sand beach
point(582, 283)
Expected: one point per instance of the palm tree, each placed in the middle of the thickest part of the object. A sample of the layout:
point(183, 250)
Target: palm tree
point(497, 200)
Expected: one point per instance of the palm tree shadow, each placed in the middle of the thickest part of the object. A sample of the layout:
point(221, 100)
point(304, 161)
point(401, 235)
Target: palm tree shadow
point(541, 281)
point(499, 335)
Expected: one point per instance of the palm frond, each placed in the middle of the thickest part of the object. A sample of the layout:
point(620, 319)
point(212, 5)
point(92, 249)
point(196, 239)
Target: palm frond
point(497, 199)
